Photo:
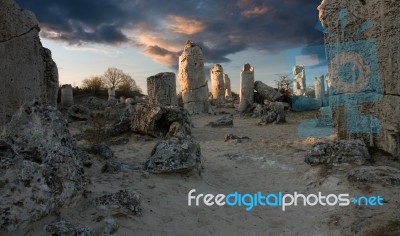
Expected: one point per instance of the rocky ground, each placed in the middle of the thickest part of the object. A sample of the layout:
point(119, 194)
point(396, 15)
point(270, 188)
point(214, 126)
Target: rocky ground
point(270, 160)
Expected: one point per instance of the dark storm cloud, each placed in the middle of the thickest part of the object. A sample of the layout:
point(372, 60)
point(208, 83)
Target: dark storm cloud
point(159, 29)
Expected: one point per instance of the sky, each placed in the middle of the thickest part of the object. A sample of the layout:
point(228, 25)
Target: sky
point(145, 37)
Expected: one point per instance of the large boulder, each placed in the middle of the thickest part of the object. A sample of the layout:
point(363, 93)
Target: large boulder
point(178, 154)
point(337, 152)
point(156, 121)
point(27, 70)
point(40, 169)
point(275, 113)
point(266, 91)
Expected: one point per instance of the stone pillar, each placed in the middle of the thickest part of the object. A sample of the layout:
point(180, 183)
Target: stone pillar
point(319, 86)
point(246, 88)
point(111, 94)
point(67, 95)
point(161, 89)
point(122, 99)
point(299, 81)
point(217, 83)
point(192, 79)
point(27, 71)
point(365, 104)
point(227, 83)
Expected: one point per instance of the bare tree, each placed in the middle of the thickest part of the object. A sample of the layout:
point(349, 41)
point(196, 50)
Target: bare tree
point(113, 77)
point(93, 84)
point(283, 84)
point(128, 84)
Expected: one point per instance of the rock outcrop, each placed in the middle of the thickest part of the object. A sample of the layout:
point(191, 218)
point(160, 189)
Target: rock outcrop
point(161, 89)
point(27, 71)
point(178, 154)
point(192, 81)
point(224, 122)
point(246, 88)
point(337, 152)
point(370, 46)
point(217, 83)
point(158, 121)
point(40, 169)
point(274, 113)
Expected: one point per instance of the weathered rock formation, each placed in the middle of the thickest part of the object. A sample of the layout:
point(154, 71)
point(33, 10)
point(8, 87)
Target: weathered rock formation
point(385, 175)
point(266, 91)
point(159, 121)
point(274, 113)
point(161, 89)
point(337, 152)
point(299, 81)
point(178, 154)
point(67, 95)
point(367, 57)
point(66, 228)
point(27, 71)
point(79, 112)
point(224, 122)
point(217, 83)
point(319, 88)
point(111, 94)
point(227, 84)
point(192, 81)
point(40, 169)
point(246, 88)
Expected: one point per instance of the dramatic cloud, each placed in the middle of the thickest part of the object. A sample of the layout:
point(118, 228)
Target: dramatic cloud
point(160, 30)
point(183, 25)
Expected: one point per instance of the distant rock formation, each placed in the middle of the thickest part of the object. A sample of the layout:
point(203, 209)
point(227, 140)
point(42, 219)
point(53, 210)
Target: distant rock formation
point(246, 88)
point(27, 70)
point(161, 89)
point(217, 83)
point(299, 81)
point(228, 89)
point(67, 96)
point(192, 81)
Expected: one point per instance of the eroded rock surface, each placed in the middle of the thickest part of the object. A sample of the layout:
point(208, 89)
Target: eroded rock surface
point(161, 89)
point(41, 170)
point(384, 175)
point(178, 154)
point(337, 152)
point(156, 121)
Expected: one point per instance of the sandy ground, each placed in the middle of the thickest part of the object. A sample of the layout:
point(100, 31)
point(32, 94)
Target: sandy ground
point(271, 161)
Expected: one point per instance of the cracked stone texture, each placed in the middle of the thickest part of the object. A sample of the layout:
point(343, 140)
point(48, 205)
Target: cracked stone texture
point(161, 89)
point(40, 166)
point(217, 83)
point(27, 70)
point(192, 81)
point(385, 31)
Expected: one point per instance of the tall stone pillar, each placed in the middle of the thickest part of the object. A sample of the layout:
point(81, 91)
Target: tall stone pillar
point(319, 87)
point(192, 81)
point(246, 88)
point(227, 83)
point(217, 83)
point(161, 89)
point(299, 81)
point(67, 95)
